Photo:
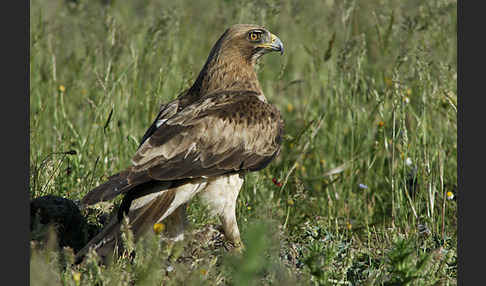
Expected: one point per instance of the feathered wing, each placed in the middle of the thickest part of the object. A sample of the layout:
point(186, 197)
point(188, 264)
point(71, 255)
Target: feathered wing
point(225, 132)
point(166, 111)
point(221, 133)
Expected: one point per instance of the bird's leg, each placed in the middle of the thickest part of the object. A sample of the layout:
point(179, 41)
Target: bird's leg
point(230, 226)
point(220, 196)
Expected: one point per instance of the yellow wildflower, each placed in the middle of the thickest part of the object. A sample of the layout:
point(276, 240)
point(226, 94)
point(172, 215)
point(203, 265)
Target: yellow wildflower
point(349, 225)
point(76, 277)
point(290, 107)
point(159, 227)
point(62, 88)
point(449, 195)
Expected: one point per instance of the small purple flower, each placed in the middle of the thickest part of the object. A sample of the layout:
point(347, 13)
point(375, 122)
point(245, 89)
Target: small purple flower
point(363, 186)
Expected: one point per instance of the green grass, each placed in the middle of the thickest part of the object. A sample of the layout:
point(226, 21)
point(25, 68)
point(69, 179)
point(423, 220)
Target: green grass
point(367, 90)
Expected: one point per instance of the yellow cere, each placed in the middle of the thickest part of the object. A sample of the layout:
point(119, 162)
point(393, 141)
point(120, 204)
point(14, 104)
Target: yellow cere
point(159, 227)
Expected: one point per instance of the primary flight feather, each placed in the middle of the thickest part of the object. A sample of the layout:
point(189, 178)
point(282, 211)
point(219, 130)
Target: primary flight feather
point(202, 142)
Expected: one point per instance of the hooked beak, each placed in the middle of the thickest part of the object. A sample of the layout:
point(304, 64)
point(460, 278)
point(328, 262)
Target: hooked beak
point(274, 44)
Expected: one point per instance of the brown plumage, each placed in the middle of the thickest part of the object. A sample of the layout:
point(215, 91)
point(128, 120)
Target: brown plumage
point(202, 142)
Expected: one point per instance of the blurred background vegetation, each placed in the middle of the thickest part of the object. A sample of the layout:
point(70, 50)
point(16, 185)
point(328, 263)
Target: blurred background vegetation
point(363, 192)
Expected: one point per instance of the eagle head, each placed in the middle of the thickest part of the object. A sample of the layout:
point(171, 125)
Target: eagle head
point(230, 64)
point(250, 41)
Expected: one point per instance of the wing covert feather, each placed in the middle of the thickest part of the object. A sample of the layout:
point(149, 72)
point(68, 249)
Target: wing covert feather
point(218, 134)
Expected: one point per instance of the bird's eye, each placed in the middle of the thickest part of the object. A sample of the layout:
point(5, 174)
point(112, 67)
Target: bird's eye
point(254, 36)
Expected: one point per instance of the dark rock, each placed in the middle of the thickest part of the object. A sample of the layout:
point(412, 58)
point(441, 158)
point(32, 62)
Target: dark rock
point(64, 215)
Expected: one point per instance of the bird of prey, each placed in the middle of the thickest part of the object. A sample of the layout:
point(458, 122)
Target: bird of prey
point(201, 143)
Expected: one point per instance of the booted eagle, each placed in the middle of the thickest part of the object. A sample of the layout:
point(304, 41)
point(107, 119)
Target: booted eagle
point(201, 143)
